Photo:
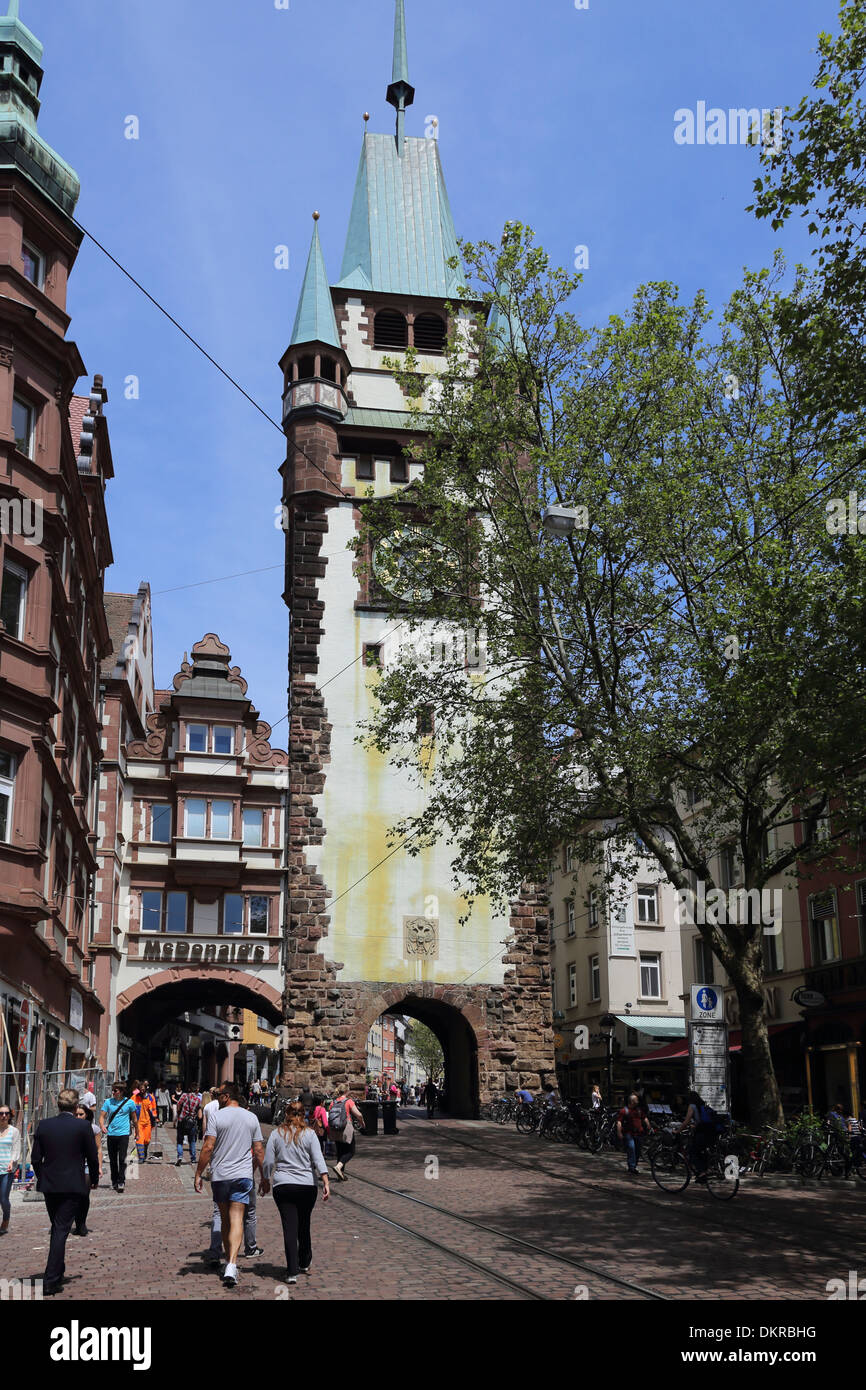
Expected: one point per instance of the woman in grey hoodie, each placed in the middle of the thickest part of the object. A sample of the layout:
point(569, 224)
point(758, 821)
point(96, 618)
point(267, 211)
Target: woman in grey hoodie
point(293, 1165)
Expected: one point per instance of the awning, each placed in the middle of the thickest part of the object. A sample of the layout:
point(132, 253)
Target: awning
point(677, 1052)
point(656, 1025)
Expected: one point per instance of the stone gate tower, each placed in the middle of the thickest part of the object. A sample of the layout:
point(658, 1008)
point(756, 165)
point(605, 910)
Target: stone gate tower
point(362, 938)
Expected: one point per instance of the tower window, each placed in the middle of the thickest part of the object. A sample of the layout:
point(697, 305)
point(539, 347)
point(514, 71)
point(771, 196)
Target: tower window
point(399, 470)
point(390, 330)
point(373, 654)
point(306, 368)
point(33, 264)
point(327, 369)
point(429, 333)
point(364, 467)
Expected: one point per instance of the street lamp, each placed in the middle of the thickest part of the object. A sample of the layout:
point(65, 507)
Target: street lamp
point(607, 1023)
point(559, 521)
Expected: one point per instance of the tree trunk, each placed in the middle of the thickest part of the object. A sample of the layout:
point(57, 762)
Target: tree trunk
point(765, 1103)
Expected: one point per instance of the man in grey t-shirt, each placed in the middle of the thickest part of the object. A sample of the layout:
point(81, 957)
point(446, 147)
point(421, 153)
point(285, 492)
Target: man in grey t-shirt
point(233, 1145)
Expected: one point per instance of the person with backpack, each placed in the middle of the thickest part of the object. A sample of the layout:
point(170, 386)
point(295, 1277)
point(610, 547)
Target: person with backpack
point(632, 1125)
point(188, 1107)
point(705, 1124)
point(117, 1122)
point(342, 1118)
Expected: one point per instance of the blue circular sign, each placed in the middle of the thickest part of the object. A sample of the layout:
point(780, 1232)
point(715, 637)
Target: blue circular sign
point(707, 999)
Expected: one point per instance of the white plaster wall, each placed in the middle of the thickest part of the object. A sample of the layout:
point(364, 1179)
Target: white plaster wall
point(364, 795)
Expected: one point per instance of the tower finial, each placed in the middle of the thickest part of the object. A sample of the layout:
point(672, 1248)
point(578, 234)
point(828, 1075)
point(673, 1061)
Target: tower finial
point(400, 91)
point(13, 10)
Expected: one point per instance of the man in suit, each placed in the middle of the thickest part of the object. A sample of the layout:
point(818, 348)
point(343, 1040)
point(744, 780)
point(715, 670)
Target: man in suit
point(61, 1149)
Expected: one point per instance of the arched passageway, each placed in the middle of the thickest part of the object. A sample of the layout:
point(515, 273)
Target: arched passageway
point(162, 1013)
point(456, 1033)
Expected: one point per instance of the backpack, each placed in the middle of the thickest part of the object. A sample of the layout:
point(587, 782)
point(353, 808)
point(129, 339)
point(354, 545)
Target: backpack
point(708, 1116)
point(338, 1114)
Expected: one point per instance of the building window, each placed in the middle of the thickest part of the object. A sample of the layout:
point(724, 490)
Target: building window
point(33, 263)
point(233, 914)
point(429, 332)
point(196, 738)
point(572, 985)
point(151, 911)
point(7, 787)
point(825, 929)
point(365, 467)
point(727, 866)
point(22, 425)
point(771, 947)
point(569, 917)
point(399, 470)
point(175, 912)
point(594, 978)
point(426, 722)
point(160, 824)
point(592, 905)
point(223, 739)
point(196, 812)
point(553, 990)
point(647, 905)
point(221, 820)
point(390, 330)
point(258, 916)
point(13, 596)
point(704, 963)
point(569, 858)
point(253, 828)
point(650, 976)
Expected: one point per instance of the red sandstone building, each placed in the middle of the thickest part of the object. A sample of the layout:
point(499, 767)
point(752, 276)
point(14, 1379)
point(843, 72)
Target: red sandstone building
point(55, 462)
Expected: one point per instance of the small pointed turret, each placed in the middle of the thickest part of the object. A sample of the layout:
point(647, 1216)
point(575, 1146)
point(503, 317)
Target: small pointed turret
point(400, 91)
point(314, 321)
point(21, 144)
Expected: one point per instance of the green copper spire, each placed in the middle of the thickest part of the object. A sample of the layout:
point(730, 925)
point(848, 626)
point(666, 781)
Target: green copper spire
point(21, 145)
point(314, 321)
point(400, 92)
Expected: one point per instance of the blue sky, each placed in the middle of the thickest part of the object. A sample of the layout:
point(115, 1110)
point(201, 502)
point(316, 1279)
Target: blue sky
point(251, 116)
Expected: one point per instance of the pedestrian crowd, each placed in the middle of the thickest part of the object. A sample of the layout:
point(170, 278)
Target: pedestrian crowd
point(222, 1132)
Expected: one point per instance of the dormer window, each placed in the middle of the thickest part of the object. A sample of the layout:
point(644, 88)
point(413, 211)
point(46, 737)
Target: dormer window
point(390, 330)
point(429, 334)
point(33, 264)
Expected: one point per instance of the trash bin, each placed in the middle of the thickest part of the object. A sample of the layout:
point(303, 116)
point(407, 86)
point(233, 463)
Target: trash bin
point(370, 1110)
point(389, 1117)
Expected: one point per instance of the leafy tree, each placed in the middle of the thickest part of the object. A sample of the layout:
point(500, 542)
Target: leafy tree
point(702, 629)
point(820, 172)
point(426, 1048)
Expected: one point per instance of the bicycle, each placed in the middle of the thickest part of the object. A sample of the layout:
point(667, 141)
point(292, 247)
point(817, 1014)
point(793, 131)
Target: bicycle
point(839, 1157)
point(672, 1166)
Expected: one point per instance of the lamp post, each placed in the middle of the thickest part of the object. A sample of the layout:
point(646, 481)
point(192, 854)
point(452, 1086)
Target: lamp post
point(607, 1024)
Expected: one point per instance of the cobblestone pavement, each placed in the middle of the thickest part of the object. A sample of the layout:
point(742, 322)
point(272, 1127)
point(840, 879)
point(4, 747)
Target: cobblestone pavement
point(588, 1231)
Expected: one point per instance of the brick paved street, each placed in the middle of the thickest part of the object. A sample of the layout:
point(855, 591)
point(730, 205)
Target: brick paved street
point(590, 1223)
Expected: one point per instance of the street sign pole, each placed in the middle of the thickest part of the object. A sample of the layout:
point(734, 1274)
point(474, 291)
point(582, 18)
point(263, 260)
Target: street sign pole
point(709, 1065)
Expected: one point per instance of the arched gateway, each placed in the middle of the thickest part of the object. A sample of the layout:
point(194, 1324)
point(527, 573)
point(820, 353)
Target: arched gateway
point(371, 928)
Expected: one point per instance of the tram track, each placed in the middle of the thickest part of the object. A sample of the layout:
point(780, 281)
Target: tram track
point(698, 1216)
point(551, 1256)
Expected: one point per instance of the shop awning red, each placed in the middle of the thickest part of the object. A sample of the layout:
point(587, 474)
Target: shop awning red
point(679, 1051)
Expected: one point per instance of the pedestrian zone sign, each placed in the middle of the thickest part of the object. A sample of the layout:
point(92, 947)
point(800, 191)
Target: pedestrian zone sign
point(706, 1003)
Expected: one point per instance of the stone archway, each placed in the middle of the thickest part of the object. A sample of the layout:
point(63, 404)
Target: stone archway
point(445, 1010)
point(232, 985)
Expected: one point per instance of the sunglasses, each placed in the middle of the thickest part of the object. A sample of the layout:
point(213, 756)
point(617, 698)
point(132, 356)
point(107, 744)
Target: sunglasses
point(5, 1114)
